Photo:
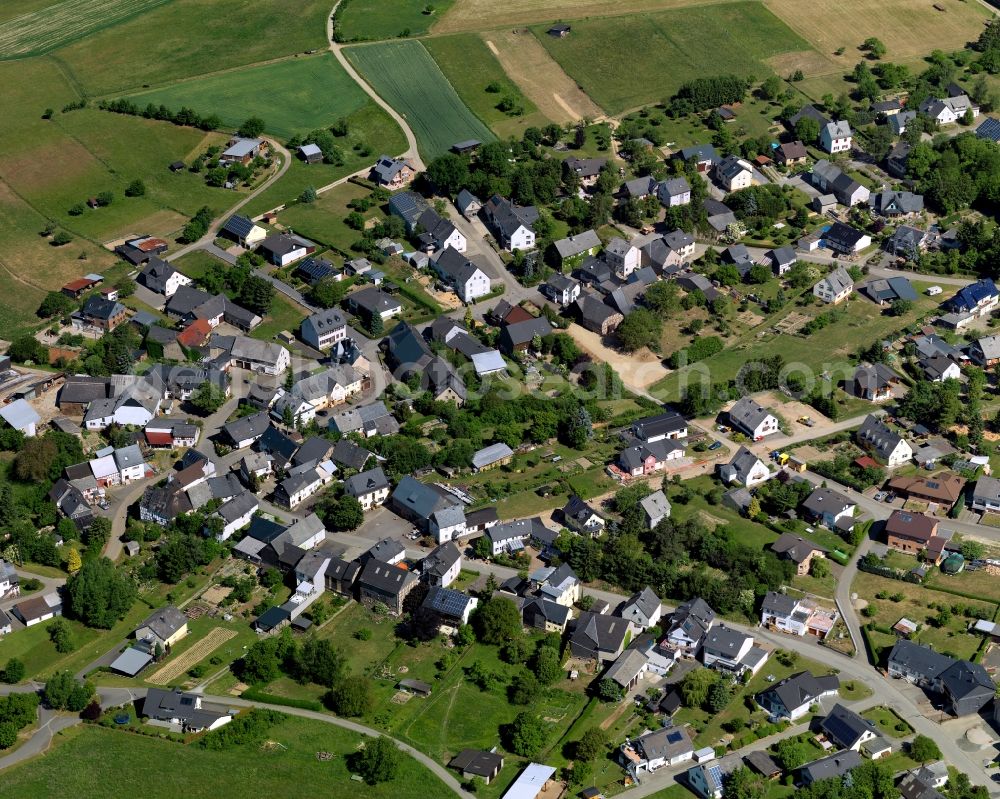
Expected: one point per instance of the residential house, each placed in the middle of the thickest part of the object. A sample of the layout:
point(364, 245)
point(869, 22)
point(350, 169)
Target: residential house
point(466, 279)
point(985, 496)
point(628, 669)
point(729, 650)
point(236, 514)
point(947, 110)
point(939, 369)
point(734, 173)
point(655, 508)
point(966, 687)
point(978, 299)
point(38, 609)
point(745, 468)
point(985, 351)
point(509, 536)
point(781, 259)
point(246, 430)
point(573, 249)
point(324, 328)
point(830, 767)
point(439, 233)
point(164, 628)
point(910, 532)
point(517, 337)
point(668, 746)
point(796, 616)
point(542, 614)
point(835, 137)
point(160, 277)
point(827, 507)
point(10, 583)
point(642, 609)
point(373, 300)
point(312, 394)
point(385, 584)
point(598, 637)
point(835, 287)
point(873, 382)
point(184, 710)
point(408, 206)
point(791, 698)
point(281, 249)
point(442, 565)
point(242, 352)
point(313, 270)
point(791, 153)
point(557, 584)
point(587, 169)
point(302, 483)
point(809, 111)
point(667, 425)
point(100, 313)
point(468, 204)
point(622, 257)
point(242, 150)
point(884, 292)
point(368, 420)
point(639, 188)
point(449, 607)
point(674, 192)
point(139, 250)
point(846, 240)
point(846, 729)
point(707, 780)
point(704, 156)
point(895, 204)
point(243, 231)
point(392, 173)
point(690, 623)
point(800, 551)
point(752, 419)
point(829, 178)
point(370, 488)
point(943, 489)
point(511, 223)
point(887, 446)
point(561, 289)
point(580, 516)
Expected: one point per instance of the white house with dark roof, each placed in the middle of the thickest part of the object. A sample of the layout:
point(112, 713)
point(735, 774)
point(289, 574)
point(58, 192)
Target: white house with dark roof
point(160, 277)
point(734, 173)
point(791, 698)
point(884, 444)
point(561, 289)
point(440, 232)
point(370, 488)
point(643, 609)
point(836, 137)
point(689, 624)
point(730, 650)
point(846, 240)
point(622, 257)
point(752, 419)
point(947, 110)
point(392, 173)
point(324, 328)
point(511, 223)
point(674, 192)
point(835, 287)
point(745, 469)
point(466, 279)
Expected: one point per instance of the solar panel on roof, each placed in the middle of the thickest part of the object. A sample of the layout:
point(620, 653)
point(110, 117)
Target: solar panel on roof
point(989, 129)
point(674, 737)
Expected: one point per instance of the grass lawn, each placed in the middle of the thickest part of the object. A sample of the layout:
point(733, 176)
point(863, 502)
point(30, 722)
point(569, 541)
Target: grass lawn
point(89, 756)
point(359, 20)
point(746, 531)
point(852, 690)
point(825, 350)
point(323, 220)
point(296, 95)
point(974, 584)
point(405, 75)
point(370, 132)
point(469, 65)
point(919, 604)
point(361, 654)
point(284, 315)
point(195, 263)
point(675, 46)
point(184, 38)
point(888, 722)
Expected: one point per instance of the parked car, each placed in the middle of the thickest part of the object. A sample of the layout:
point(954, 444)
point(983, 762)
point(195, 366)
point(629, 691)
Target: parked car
point(715, 445)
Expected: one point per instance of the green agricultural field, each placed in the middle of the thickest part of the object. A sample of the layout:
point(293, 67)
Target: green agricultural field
point(44, 29)
point(88, 757)
point(470, 67)
point(292, 96)
point(405, 75)
point(668, 49)
point(361, 20)
point(185, 38)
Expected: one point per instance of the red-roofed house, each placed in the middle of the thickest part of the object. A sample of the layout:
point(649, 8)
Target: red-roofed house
point(195, 334)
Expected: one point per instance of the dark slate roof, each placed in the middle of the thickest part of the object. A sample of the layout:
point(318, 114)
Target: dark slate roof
point(833, 766)
point(802, 689)
point(386, 578)
point(441, 559)
point(921, 660)
point(846, 727)
point(476, 761)
point(349, 455)
point(366, 482)
point(407, 347)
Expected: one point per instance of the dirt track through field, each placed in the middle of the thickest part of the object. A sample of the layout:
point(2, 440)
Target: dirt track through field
point(541, 79)
point(469, 15)
point(175, 668)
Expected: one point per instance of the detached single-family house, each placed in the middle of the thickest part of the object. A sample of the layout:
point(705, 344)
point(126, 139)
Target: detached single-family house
point(946, 110)
point(561, 289)
point(704, 156)
point(830, 767)
point(734, 173)
point(655, 508)
point(690, 622)
point(835, 137)
point(827, 507)
point(885, 445)
point(373, 300)
point(511, 223)
point(801, 617)
point(668, 746)
point(985, 497)
point(674, 192)
point(781, 259)
point(800, 551)
point(183, 710)
point(599, 637)
point(160, 277)
point(242, 151)
point(873, 382)
point(791, 698)
point(752, 419)
point(439, 233)
point(791, 153)
point(282, 249)
point(642, 609)
point(745, 468)
point(573, 249)
point(910, 532)
point(846, 240)
point(468, 204)
point(835, 287)
point(100, 313)
point(978, 299)
point(477, 763)
point(846, 729)
point(451, 608)
point(324, 328)
point(165, 628)
point(587, 169)
point(370, 488)
point(38, 609)
point(466, 279)
point(386, 584)
point(895, 204)
point(580, 516)
point(243, 231)
point(392, 173)
point(729, 650)
point(829, 178)
point(442, 565)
